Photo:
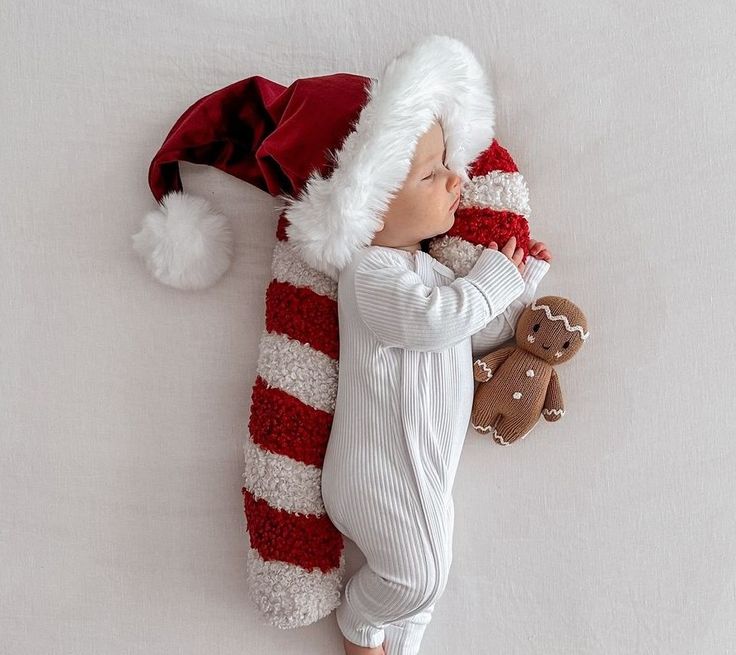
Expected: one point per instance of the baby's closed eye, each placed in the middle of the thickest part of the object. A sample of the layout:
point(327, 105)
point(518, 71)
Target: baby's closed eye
point(431, 175)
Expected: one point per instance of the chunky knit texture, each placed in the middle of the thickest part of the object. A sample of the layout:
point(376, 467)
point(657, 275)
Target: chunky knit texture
point(296, 561)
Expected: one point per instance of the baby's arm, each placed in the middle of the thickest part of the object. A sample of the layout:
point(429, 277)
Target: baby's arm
point(402, 311)
point(503, 326)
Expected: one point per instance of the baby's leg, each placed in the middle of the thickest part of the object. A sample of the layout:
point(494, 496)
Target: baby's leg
point(406, 571)
point(405, 637)
point(370, 602)
point(399, 517)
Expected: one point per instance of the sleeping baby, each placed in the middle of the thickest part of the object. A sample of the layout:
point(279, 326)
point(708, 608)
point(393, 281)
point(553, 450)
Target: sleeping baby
point(409, 332)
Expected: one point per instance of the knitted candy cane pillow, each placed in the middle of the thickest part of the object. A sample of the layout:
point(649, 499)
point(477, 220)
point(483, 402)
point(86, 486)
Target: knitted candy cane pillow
point(296, 561)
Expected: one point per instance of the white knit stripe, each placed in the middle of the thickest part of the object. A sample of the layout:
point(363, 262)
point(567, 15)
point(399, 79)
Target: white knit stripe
point(298, 369)
point(289, 596)
point(282, 481)
point(287, 266)
point(456, 253)
point(498, 190)
point(460, 256)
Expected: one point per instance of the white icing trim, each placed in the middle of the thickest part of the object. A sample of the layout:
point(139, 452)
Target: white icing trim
point(561, 317)
point(499, 439)
point(481, 428)
point(493, 433)
point(486, 369)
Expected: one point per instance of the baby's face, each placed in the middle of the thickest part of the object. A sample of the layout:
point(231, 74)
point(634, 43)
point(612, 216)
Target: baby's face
point(425, 205)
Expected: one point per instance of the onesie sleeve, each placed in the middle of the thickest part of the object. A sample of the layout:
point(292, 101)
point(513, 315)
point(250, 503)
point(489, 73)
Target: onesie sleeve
point(402, 311)
point(503, 326)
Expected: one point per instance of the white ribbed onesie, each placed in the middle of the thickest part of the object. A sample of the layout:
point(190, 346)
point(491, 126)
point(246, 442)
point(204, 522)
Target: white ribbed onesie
point(409, 332)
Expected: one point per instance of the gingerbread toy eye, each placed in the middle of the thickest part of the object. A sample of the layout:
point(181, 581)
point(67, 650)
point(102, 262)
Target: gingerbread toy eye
point(566, 344)
point(536, 328)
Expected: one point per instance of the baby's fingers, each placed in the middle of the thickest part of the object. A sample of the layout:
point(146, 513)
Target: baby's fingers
point(539, 250)
point(509, 248)
point(545, 255)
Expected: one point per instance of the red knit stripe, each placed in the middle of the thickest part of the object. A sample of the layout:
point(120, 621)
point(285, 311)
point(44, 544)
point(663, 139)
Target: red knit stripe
point(303, 315)
point(283, 424)
point(483, 225)
point(307, 541)
point(495, 158)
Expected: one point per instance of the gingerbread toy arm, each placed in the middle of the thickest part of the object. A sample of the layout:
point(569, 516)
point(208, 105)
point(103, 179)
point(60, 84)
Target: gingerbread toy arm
point(484, 367)
point(554, 407)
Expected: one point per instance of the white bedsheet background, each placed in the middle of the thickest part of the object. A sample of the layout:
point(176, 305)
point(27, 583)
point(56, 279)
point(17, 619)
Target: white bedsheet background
point(124, 403)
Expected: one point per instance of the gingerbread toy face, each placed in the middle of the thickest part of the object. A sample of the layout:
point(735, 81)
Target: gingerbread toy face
point(552, 328)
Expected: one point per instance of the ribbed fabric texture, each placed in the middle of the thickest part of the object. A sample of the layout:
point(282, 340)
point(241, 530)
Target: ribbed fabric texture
point(405, 394)
point(498, 331)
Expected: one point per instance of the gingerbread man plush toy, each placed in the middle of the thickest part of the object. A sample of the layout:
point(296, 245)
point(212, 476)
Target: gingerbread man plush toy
point(519, 383)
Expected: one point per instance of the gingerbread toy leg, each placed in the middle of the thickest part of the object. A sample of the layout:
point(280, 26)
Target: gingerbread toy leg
point(510, 428)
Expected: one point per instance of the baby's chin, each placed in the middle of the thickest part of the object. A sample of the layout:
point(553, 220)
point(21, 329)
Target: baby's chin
point(448, 224)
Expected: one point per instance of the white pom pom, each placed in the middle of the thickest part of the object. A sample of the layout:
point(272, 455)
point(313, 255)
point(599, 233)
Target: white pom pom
point(185, 243)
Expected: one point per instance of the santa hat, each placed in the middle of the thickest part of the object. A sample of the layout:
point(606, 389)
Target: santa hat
point(334, 149)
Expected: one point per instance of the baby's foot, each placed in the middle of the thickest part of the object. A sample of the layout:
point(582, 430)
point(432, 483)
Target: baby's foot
point(354, 649)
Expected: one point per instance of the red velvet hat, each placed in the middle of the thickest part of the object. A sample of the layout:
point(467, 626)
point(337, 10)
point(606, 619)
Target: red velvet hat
point(333, 148)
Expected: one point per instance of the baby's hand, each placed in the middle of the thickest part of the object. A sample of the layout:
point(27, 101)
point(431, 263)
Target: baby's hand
point(511, 251)
point(539, 250)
